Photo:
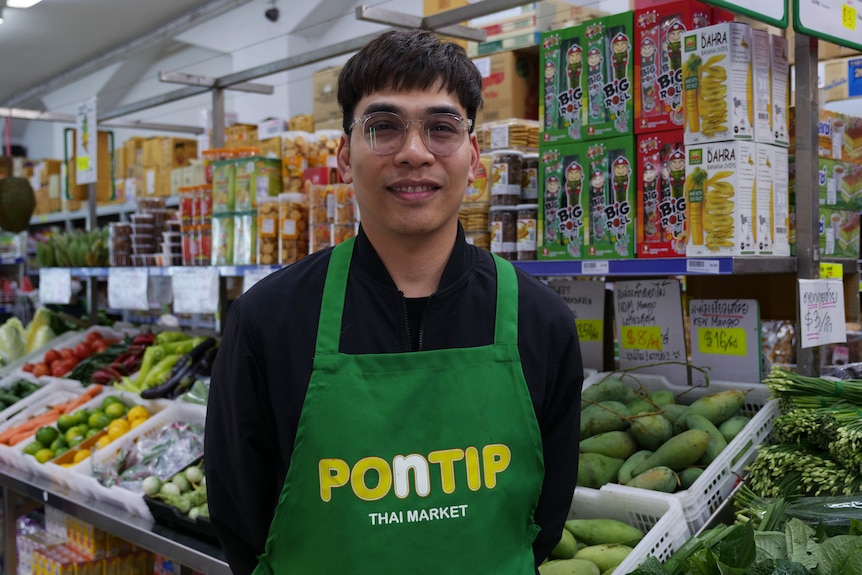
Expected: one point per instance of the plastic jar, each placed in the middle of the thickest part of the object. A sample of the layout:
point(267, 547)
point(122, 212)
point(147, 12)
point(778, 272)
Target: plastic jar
point(502, 223)
point(506, 167)
point(530, 178)
point(527, 215)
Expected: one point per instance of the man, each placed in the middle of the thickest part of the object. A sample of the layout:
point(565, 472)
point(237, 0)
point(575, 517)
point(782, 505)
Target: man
point(404, 402)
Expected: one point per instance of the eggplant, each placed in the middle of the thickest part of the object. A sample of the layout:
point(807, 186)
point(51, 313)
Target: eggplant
point(183, 368)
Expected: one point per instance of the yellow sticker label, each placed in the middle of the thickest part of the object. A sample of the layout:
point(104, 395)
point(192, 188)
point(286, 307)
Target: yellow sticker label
point(722, 340)
point(83, 163)
point(831, 271)
point(848, 17)
point(641, 337)
point(589, 329)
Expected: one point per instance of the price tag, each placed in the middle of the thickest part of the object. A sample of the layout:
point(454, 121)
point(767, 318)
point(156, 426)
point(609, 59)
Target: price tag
point(55, 285)
point(252, 276)
point(722, 341)
point(589, 329)
point(599, 268)
point(196, 289)
point(821, 312)
point(83, 164)
point(702, 266)
point(828, 271)
point(848, 17)
point(641, 337)
point(127, 288)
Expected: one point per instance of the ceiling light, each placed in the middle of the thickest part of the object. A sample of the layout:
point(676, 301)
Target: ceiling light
point(21, 3)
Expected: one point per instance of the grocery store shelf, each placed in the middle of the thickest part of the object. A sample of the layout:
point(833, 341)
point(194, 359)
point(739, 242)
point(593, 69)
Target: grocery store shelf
point(105, 210)
point(223, 271)
point(661, 266)
point(184, 549)
point(10, 260)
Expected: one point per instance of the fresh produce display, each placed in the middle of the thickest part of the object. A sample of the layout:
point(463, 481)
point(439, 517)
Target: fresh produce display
point(171, 365)
point(117, 361)
point(647, 439)
point(591, 547)
point(185, 491)
point(85, 428)
point(16, 341)
point(60, 362)
point(77, 248)
point(17, 391)
point(47, 415)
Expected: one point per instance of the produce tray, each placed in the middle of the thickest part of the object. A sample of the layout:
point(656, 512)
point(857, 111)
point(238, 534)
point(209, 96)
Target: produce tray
point(56, 343)
point(660, 518)
point(169, 516)
point(717, 482)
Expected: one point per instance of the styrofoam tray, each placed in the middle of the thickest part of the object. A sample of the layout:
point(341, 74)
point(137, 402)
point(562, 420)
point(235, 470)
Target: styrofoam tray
point(716, 483)
point(82, 481)
point(660, 518)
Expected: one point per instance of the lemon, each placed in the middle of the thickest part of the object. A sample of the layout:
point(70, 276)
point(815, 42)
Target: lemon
point(44, 455)
point(137, 422)
point(81, 455)
point(138, 412)
point(103, 441)
point(117, 428)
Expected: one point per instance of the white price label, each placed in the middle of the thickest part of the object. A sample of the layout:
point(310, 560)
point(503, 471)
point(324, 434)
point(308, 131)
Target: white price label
point(55, 285)
point(252, 276)
point(196, 290)
point(821, 312)
point(702, 266)
point(86, 142)
point(599, 268)
point(127, 288)
point(838, 21)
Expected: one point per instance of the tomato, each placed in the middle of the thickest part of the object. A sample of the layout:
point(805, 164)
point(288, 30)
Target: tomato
point(99, 346)
point(67, 353)
point(82, 350)
point(59, 369)
point(41, 369)
point(51, 356)
point(94, 336)
point(28, 367)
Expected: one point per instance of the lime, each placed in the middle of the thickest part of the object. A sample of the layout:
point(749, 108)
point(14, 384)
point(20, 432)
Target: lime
point(46, 434)
point(91, 432)
point(109, 400)
point(74, 434)
point(83, 428)
point(115, 410)
point(44, 455)
point(59, 443)
point(33, 447)
point(65, 421)
point(99, 421)
point(75, 441)
point(60, 451)
point(81, 416)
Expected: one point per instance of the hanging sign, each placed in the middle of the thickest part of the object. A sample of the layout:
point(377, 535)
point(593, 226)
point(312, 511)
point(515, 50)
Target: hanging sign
point(196, 289)
point(725, 340)
point(854, 77)
point(821, 312)
point(55, 285)
point(127, 288)
point(86, 143)
point(769, 11)
point(586, 299)
point(650, 328)
point(837, 21)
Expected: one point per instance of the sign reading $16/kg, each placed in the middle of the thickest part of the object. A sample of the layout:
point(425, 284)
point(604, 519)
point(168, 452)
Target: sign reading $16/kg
point(725, 337)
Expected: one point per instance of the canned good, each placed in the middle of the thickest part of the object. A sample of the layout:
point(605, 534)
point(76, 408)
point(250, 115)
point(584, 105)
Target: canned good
point(502, 222)
point(506, 168)
point(526, 231)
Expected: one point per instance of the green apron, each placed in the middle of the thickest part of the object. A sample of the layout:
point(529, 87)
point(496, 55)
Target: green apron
point(425, 462)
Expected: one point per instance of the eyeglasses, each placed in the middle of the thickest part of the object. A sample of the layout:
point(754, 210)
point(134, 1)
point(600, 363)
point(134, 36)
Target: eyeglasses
point(385, 132)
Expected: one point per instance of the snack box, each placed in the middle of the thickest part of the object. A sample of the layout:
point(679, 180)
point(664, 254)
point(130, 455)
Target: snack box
point(661, 226)
point(761, 101)
point(839, 135)
point(720, 183)
point(718, 83)
point(658, 34)
point(839, 233)
point(562, 220)
point(839, 183)
point(562, 83)
point(612, 199)
point(780, 68)
point(772, 201)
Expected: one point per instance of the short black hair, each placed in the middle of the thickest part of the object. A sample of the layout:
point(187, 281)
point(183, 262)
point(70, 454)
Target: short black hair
point(404, 60)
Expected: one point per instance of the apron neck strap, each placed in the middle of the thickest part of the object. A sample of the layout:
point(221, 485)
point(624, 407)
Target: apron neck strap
point(335, 287)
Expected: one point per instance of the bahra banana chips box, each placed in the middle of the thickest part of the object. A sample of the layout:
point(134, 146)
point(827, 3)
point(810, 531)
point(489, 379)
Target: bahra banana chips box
point(720, 181)
point(718, 89)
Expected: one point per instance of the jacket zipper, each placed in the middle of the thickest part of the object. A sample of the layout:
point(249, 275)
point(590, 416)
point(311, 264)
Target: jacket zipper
point(421, 321)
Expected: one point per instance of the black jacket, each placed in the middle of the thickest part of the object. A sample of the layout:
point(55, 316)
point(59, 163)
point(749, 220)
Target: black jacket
point(264, 364)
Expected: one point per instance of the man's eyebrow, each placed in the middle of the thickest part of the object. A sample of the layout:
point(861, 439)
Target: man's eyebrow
point(388, 107)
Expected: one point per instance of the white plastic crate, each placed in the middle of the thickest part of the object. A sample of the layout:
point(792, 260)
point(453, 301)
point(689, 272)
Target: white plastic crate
point(660, 518)
point(714, 486)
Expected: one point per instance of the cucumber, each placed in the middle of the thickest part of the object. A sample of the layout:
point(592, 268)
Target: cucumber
point(603, 416)
point(618, 444)
point(603, 530)
point(609, 389)
point(658, 478)
point(688, 476)
point(717, 442)
point(569, 567)
point(595, 469)
point(650, 431)
point(730, 428)
point(678, 452)
point(625, 472)
point(605, 556)
point(720, 406)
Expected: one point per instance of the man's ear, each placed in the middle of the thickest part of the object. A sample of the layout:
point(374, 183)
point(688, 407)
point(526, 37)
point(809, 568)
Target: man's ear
point(345, 169)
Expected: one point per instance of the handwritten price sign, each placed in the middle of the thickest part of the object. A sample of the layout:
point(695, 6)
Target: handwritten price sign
point(821, 312)
point(722, 341)
point(848, 17)
point(589, 329)
point(641, 337)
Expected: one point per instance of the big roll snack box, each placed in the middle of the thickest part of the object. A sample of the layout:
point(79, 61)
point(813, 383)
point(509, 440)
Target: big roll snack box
point(718, 84)
point(661, 227)
point(611, 205)
point(561, 216)
point(658, 34)
point(561, 108)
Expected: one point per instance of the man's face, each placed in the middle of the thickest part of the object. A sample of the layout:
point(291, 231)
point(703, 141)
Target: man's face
point(410, 192)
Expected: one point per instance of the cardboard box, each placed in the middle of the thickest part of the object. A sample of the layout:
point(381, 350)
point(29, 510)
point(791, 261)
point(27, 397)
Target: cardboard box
point(530, 19)
point(780, 67)
point(133, 150)
point(839, 183)
point(658, 62)
point(839, 233)
point(587, 193)
point(104, 183)
point(169, 152)
point(761, 67)
point(562, 85)
point(325, 108)
point(661, 227)
point(608, 71)
point(772, 209)
point(510, 86)
point(721, 176)
point(839, 135)
point(717, 75)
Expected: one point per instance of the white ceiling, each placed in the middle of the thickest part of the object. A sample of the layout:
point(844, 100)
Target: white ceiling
point(43, 46)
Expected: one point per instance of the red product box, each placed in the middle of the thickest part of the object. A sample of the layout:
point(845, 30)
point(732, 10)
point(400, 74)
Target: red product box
point(658, 62)
point(661, 229)
point(321, 176)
